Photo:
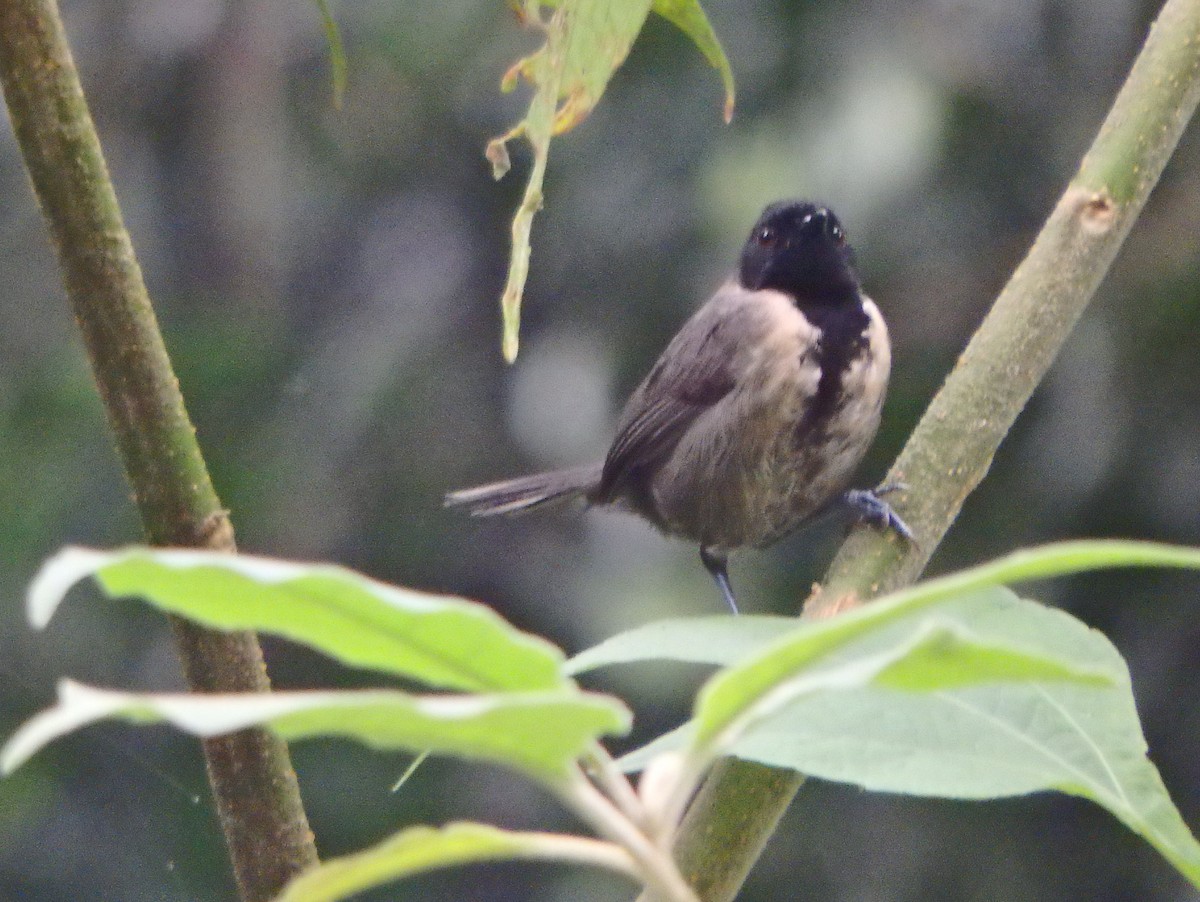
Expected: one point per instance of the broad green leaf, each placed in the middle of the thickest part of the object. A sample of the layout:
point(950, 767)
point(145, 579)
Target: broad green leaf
point(990, 741)
point(540, 733)
point(726, 640)
point(740, 686)
point(922, 652)
point(337, 52)
point(586, 42)
point(420, 849)
point(721, 640)
point(436, 639)
point(978, 741)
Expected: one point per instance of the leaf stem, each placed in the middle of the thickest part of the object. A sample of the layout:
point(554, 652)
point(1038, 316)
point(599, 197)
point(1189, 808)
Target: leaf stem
point(609, 778)
point(657, 869)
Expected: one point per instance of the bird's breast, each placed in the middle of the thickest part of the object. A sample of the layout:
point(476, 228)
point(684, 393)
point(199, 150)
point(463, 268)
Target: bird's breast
point(787, 439)
point(833, 408)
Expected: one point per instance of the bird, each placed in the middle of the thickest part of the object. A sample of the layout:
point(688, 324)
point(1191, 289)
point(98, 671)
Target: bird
point(753, 420)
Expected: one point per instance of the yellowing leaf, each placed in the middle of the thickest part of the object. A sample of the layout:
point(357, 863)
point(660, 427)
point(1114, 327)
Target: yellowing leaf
point(586, 42)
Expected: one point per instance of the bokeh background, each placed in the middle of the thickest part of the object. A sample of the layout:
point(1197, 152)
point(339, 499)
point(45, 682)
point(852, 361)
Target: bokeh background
point(327, 282)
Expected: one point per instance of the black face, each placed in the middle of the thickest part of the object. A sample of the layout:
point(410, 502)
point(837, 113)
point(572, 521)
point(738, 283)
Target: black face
point(799, 248)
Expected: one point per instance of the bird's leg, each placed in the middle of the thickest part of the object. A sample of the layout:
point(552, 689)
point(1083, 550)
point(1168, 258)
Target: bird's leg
point(717, 565)
point(870, 507)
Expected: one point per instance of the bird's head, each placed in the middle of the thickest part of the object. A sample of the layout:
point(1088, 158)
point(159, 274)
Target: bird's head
point(799, 248)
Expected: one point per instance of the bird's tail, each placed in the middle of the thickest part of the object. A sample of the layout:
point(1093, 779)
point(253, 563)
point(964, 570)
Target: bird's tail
point(515, 496)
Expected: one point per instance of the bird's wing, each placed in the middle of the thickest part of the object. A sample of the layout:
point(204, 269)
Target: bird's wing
point(691, 376)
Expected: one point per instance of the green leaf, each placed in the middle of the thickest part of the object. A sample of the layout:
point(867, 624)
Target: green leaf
point(1046, 561)
point(978, 741)
point(420, 849)
point(719, 640)
point(438, 640)
point(945, 658)
point(967, 641)
point(688, 16)
point(990, 741)
point(586, 42)
point(540, 733)
point(337, 52)
point(914, 652)
point(726, 640)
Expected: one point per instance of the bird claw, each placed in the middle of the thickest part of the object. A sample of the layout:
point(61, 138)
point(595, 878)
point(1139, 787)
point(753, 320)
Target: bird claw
point(874, 510)
point(717, 566)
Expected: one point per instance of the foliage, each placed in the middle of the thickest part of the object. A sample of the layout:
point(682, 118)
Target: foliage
point(586, 41)
point(923, 683)
point(954, 687)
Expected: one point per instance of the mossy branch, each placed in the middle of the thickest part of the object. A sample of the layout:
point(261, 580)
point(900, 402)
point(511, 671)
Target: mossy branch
point(952, 447)
point(256, 791)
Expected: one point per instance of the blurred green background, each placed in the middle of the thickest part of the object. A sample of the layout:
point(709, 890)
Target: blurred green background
point(327, 282)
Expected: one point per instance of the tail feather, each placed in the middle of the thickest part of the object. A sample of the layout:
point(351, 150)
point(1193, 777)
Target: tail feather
point(515, 496)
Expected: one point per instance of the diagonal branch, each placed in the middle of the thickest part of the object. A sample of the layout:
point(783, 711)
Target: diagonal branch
point(256, 791)
point(951, 449)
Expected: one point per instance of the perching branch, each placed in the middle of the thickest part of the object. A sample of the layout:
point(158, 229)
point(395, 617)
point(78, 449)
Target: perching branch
point(951, 449)
point(256, 791)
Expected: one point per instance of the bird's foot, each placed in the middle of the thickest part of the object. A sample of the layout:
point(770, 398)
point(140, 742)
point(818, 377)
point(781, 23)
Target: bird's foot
point(717, 565)
point(873, 509)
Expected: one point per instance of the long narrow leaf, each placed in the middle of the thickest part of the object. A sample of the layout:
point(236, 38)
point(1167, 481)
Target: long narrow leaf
point(539, 733)
point(436, 639)
point(337, 52)
point(420, 849)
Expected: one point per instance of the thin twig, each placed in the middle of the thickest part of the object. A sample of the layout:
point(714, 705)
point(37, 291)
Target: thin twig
point(657, 868)
point(608, 777)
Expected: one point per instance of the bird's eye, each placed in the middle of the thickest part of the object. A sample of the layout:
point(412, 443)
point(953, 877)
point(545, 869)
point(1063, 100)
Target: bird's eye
point(765, 237)
point(838, 235)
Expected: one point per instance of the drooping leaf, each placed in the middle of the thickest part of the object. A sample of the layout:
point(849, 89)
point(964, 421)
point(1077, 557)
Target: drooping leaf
point(616, 38)
point(992, 740)
point(420, 849)
point(586, 42)
point(985, 740)
point(688, 16)
point(540, 733)
point(920, 653)
point(436, 639)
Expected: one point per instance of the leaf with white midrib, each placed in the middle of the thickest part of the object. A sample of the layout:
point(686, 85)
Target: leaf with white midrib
point(439, 640)
point(541, 733)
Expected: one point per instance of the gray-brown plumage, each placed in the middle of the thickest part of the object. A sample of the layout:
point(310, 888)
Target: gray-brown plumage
point(757, 413)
